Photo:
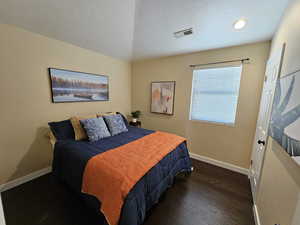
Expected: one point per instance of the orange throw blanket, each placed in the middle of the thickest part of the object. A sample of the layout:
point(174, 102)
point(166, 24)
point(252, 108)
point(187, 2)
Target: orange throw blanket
point(111, 175)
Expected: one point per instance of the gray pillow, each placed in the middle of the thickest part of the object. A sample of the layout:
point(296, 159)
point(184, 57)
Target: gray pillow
point(115, 124)
point(95, 128)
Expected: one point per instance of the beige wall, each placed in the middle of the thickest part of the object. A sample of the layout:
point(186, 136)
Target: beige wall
point(220, 142)
point(25, 95)
point(279, 191)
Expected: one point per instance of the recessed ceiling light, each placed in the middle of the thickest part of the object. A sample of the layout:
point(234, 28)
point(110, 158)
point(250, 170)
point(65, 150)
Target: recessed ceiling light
point(240, 24)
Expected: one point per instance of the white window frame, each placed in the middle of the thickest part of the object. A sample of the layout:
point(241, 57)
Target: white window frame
point(191, 98)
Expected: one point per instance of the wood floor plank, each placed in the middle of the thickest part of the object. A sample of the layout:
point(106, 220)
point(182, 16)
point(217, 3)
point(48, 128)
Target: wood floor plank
point(210, 196)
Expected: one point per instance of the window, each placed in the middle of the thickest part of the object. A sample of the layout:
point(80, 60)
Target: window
point(215, 94)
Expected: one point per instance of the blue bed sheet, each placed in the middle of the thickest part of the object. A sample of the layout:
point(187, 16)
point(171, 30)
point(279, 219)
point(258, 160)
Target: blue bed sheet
point(71, 157)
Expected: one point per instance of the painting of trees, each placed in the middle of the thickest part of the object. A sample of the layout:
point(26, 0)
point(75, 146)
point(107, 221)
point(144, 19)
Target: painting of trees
point(70, 86)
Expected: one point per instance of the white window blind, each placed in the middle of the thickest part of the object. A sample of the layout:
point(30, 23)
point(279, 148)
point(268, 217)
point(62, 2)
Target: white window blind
point(215, 94)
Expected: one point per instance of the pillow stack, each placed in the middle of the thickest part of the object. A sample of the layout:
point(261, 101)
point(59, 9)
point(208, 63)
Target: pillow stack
point(93, 127)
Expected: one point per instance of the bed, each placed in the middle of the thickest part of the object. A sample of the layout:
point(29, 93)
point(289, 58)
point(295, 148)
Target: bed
point(71, 158)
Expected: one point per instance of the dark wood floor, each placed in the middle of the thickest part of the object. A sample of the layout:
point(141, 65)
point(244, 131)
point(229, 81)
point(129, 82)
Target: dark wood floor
point(210, 196)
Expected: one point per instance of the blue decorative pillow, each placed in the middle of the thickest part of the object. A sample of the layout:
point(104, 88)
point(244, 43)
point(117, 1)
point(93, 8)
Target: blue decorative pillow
point(115, 124)
point(62, 130)
point(124, 119)
point(95, 128)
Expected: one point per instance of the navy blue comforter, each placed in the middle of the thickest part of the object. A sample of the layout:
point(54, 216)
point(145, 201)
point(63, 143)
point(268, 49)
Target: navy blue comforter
point(70, 158)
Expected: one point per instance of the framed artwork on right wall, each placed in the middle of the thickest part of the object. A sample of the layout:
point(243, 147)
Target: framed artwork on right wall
point(285, 117)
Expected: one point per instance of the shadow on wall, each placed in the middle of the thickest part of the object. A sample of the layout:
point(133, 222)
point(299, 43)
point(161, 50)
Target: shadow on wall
point(38, 156)
point(158, 115)
point(167, 123)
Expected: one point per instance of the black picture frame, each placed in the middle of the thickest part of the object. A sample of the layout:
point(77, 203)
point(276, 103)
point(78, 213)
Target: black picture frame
point(95, 87)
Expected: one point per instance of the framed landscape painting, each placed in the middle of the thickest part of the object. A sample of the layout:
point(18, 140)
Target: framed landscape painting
point(72, 86)
point(285, 117)
point(162, 97)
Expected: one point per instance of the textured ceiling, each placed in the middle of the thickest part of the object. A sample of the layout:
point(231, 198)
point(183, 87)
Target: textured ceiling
point(138, 29)
point(105, 26)
point(212, 21)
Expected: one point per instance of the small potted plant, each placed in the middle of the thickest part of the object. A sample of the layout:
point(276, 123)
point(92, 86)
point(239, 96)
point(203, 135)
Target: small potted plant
point(135, 115)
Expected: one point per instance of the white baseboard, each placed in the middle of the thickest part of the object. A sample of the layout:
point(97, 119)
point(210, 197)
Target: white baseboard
point(2, 219)
point(256, 215)
point(220, 164)
point(22, 180)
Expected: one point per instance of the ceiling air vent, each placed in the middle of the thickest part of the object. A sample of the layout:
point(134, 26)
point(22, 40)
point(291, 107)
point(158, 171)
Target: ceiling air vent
point(182, 33)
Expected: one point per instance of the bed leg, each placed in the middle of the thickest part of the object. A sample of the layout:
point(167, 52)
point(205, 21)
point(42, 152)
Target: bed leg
point(189, 173)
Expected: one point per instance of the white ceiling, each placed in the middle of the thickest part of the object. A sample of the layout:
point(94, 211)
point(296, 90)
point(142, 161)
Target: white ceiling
point(212, 21)
point(138, 29)
point(106, 26)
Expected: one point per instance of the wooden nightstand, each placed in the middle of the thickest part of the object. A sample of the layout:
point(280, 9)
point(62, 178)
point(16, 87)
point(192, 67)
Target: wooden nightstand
point(135, 124)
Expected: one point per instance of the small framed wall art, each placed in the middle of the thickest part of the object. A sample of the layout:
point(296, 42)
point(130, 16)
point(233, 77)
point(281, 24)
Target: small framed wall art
point(162, 97)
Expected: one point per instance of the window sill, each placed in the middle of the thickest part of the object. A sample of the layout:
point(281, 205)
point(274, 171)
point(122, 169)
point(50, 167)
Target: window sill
point(213, 123)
